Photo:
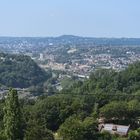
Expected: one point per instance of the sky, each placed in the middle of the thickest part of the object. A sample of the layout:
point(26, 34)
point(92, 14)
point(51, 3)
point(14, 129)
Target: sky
point(92, 18)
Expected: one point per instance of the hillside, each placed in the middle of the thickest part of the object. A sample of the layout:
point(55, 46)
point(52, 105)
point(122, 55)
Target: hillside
point(108, 97)
point(109, 81)
point(20, 71)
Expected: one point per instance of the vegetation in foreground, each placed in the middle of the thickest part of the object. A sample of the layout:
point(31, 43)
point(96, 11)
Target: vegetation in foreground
point(73, 114)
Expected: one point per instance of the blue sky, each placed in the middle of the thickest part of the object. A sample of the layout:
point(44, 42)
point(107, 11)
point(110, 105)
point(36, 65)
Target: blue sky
point(95, 18)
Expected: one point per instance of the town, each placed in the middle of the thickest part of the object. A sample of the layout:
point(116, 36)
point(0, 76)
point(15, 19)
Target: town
point(75, 55)
point(71, 57)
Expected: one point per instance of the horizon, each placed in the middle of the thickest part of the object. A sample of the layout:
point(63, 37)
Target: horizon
point(92, 18)
point(100, 37)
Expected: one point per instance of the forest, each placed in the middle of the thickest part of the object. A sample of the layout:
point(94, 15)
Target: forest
point(74, 113)
point(20, 71)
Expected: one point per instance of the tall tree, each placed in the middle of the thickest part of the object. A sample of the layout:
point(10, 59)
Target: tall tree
point(12, 117)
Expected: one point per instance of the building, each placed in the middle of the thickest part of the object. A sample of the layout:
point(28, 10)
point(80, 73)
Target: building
point(121, 130)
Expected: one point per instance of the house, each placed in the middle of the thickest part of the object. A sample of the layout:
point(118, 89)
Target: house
point(121, 130)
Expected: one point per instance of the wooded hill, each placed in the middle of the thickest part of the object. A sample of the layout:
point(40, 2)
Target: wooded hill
point(74, 114)
point(20, 71)
point(110, 82)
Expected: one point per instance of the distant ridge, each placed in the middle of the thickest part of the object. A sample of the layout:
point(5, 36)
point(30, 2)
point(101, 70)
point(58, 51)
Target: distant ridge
point(71, 39)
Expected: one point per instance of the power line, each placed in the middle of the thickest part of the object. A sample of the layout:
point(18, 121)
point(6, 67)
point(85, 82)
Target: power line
point(93, 94)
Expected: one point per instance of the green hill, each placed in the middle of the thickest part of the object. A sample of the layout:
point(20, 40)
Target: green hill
point(20, 71)
point(109, 81)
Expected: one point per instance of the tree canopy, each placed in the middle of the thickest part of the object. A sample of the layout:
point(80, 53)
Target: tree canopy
point(20, 71)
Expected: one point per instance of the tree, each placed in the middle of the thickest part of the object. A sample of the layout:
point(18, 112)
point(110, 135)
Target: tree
point(117, 110)
point(75, 129)
point(71, 129)
point(105, 136)
point(48, 111)
point(35, 131)
point(12, 117)
point(134, 135)
point(90, 129)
